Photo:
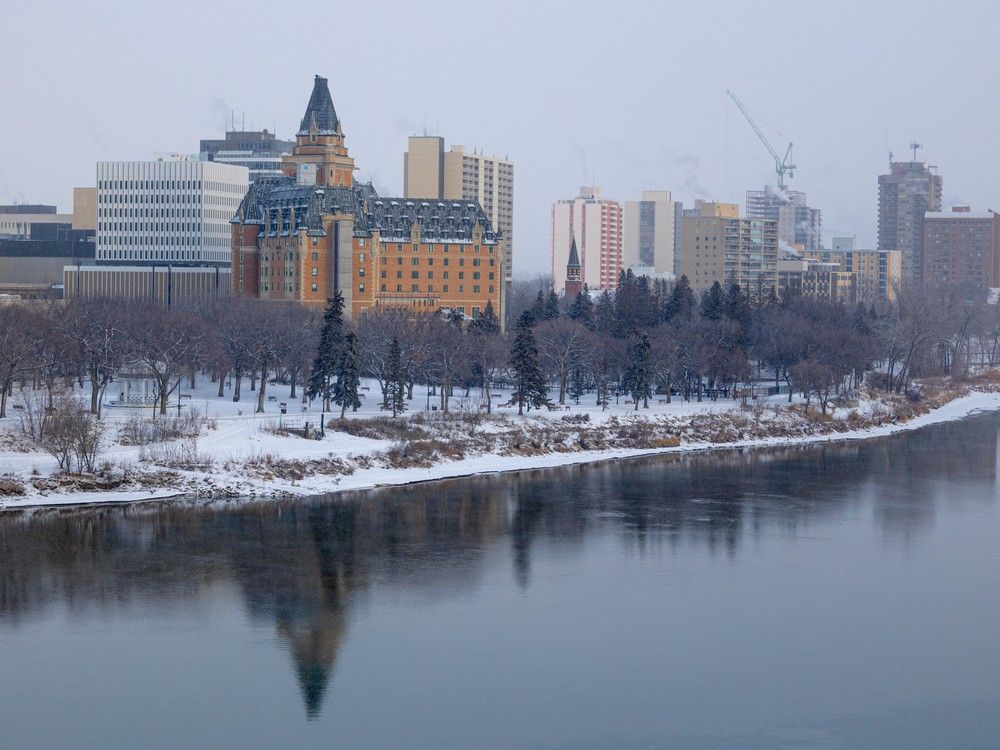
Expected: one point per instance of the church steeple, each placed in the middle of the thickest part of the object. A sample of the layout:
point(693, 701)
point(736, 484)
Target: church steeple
point(574, 273)
point(320, 117)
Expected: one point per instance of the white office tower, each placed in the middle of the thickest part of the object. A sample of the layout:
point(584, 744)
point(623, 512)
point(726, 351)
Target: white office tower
point(167, 211)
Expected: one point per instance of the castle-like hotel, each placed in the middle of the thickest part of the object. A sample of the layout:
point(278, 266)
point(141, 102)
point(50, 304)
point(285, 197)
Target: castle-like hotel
point(314, 231)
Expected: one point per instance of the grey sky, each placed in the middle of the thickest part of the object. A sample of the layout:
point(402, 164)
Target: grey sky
point(631, 94)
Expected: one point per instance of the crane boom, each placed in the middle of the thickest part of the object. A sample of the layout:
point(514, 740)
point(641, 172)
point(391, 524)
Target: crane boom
point(782, 165)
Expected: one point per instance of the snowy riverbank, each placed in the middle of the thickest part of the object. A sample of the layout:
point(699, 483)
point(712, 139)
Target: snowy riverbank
point(242, 456)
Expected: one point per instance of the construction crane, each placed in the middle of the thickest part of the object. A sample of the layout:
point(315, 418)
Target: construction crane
point(782, 165)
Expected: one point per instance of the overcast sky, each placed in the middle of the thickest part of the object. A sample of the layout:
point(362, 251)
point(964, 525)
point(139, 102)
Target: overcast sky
point(628, 94)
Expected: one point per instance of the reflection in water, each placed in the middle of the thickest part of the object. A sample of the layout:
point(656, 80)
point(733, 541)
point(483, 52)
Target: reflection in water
point(301, 565)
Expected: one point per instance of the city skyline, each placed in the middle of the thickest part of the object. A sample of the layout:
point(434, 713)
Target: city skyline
point(692, 141)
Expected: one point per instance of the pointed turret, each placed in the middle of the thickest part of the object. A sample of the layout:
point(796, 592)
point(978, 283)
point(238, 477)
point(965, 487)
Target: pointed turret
point(320, 116)
point(574, 256)
point(574, 273)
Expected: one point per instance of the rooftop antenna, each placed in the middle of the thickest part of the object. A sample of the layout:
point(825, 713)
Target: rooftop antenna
point(243, 127)
point(915, 146)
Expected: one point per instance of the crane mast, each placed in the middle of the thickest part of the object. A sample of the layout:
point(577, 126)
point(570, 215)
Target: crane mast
point(782, 164)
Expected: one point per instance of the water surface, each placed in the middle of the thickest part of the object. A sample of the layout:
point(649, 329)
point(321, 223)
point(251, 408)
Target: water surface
point(820, 597)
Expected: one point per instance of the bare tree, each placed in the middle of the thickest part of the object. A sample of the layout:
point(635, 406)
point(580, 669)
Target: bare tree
point(560, 344)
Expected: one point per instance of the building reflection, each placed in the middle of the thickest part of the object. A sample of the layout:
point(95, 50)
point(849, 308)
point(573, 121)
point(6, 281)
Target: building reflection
point(300, 566)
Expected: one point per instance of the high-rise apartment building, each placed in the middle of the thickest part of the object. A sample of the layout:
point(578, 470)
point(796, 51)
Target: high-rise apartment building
point(595, 224)
point(648, 234)
point(799, 226)
point(904, 195)
point(257, 150)
point(961, 248)
point(718, 245)
point(167, 211)
point(457, 174)
point(314, 232)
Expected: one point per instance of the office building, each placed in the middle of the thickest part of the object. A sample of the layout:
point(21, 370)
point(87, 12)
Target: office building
point(718, 245)
point(961, 248)
point(33, 268)
point(799, 226)
point(909, 191)
point(595, 224)
point(648, 234)
point(165, 283)
point(314, 231)
point(257, 150)
point(166, 211)
point(459, 174)
point(16, 220)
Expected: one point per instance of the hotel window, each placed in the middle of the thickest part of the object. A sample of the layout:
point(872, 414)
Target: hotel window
point(461, 261)
point(446, 261)
point(361, 256)
point(382, 275)
point(315, 287)
point(445, 288)
point(383, 287)
point(414, 287)
point(315, 255)
point(414, 274)
point(315, 272)
point(399, 274)
point(399, 287)
point(430, 274)
point(399, 260)
point(461, 274)
point(430, 261)
point(430, 287)
point(461, 288)
point(361, 287)
point(414, 261)
point(413, 248)
point(475, 288)
point(361, 272)
point(475, 274)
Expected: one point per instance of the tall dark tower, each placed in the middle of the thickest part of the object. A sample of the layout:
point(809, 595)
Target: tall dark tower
point(574, 273)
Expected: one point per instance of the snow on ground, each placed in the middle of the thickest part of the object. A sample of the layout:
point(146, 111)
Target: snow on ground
point(240, 435)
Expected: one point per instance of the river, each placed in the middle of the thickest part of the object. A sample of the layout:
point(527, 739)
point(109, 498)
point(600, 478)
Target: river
point(838, 595)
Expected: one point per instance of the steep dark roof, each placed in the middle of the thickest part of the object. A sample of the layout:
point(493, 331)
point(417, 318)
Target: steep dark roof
point(320, 109)
point(281, 206)
point(574, 256)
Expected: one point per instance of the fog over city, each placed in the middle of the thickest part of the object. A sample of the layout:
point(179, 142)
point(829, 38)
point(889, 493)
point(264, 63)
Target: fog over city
point(626, 96)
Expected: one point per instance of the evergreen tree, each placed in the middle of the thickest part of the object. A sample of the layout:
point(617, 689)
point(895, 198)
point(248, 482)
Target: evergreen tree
point(638, 379)
point(604, 313)
point(331, 341)
point(737, 306)
point(488, 322)
point(551, 306)
point(396, 378)
point(346, 389)
point(582, 309)
point(455, 318)
point(713, 302)
point(529, 384)
point(681, 302)
point(538, 309)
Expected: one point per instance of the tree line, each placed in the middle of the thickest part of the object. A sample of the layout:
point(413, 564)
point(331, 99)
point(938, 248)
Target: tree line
point(644, 339)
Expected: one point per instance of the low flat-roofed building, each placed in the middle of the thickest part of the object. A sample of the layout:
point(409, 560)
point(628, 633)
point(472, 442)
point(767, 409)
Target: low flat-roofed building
point(171, 285)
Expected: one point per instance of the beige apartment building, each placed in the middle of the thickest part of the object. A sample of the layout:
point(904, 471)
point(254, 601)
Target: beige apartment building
point(879, 272)
point(718, 245)
point(458, 174)
point(648, 234)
